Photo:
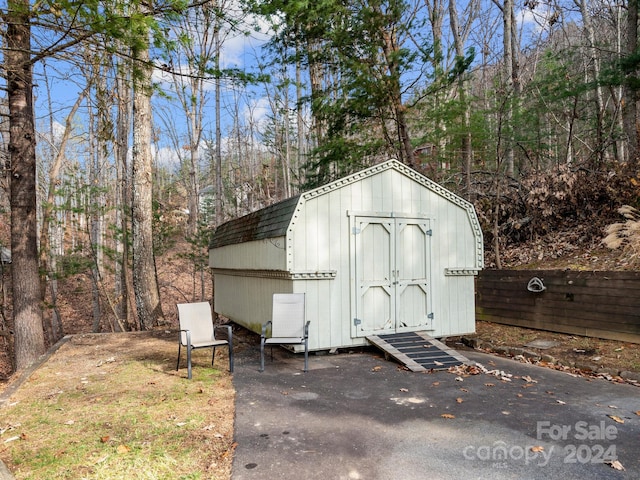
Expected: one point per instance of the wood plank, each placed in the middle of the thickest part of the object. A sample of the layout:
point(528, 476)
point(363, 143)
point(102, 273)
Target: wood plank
point(558, 319)
point(605, 289)
point(546, 301)
point(558, 328)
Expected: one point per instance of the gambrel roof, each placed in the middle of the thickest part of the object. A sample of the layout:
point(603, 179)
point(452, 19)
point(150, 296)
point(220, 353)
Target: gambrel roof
point(268, 222)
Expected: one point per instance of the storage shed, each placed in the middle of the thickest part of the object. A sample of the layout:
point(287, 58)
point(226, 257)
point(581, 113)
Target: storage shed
point(382, 251)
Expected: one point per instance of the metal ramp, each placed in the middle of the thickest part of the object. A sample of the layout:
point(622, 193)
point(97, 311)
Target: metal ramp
point(418, 351)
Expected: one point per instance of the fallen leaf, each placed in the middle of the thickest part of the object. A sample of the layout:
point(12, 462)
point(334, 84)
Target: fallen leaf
point(616, 464)
point(459, 400)
point(505, 412)
point(439, 364)
point(561, 402)
point(122, 449)
point(284, 393)
point(404, 389)
point(69, 422)
point(105, 439)
point(467, 391)
point(613, 406)
point(519, 395)
point(435, 384)
point(638, 412)
point(377, 368)
point(537, 448)
point(615, 418)
point(447, 415)
point(459, 379)
point(528, 379)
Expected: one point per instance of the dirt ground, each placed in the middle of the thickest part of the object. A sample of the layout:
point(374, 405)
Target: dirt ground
point(609, 359)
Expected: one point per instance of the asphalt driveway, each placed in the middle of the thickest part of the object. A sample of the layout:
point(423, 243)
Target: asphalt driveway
point(358, 416)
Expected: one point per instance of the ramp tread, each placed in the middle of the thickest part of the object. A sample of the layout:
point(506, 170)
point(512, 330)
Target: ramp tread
point(418, 351)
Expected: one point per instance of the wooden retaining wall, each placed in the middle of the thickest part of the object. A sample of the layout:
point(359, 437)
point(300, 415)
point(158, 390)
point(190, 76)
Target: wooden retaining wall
point(594, 304)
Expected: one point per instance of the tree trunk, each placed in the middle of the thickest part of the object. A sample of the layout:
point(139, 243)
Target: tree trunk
point(218, 160)
point(391, 49)
point(594, 65)
point(123, 199)
point(27, 310)
point(508, 39)
point(631, 95)
point(466, 148)
point(145, 283)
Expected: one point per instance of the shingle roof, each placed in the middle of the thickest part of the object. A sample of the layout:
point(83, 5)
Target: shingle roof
point(268, 222)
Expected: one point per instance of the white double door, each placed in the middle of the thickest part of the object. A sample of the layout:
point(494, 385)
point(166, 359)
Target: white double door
point(392, 275)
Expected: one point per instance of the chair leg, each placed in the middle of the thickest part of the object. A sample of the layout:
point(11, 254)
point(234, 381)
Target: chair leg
point(213, 356)
point(178, 364)
point(306, 355)
point(189, 362)
point(230, 351)
point(262, 355)
point(189, 348)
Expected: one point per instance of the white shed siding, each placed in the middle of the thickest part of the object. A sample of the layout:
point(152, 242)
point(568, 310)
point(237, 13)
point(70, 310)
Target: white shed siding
point(247, 299)
point(260, 254)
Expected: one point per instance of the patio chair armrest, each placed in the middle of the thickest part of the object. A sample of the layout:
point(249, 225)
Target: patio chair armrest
point(264, 328)
point(228, 329)
point(188, 332)
point(306, 329)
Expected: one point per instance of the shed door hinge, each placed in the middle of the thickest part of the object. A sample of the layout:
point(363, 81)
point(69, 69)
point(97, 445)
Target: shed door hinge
point(430, 232)
point(357, 321)
point(355, 230)
point(430, 316)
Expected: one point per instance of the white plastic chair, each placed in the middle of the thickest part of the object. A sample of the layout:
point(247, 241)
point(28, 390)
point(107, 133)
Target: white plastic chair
point(288, 325)
point(198, 331)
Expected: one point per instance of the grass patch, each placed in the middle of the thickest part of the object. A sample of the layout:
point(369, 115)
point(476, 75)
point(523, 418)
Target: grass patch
point(112, 406)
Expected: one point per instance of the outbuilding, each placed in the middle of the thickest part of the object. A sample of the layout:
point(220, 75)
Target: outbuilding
point(384, 250)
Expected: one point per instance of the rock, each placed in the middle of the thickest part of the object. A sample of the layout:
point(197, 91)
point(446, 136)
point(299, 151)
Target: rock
point(547, 358)
point(501, 350)
point(530, 355)
point(627, 375)
point(471, 342)
point(586, 367)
